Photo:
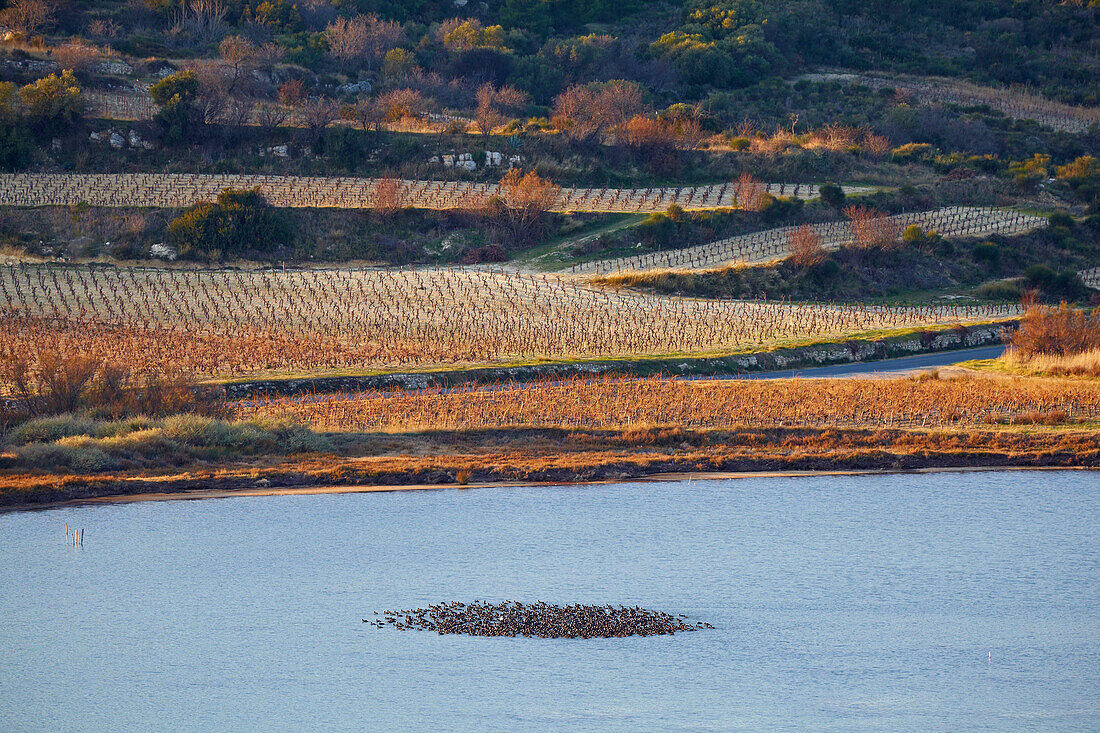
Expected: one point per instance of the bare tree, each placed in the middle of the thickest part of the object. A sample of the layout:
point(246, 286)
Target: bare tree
point(363, 37)
point(389, 196)
point(522, 202)
point(213, 92)
point(28, 16)
point(806, 246)
point(270, 115)
point(872, 229)
point(487, 114)
point(368, 114)
point(749, 192)
point(348, 38)
point(239, 54)
point(318, 113)
point(400, 104)
point(203, 20)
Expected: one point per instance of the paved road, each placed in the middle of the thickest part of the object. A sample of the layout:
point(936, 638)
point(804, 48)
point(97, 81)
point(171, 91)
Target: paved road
point(884, 368)
point(903, 366)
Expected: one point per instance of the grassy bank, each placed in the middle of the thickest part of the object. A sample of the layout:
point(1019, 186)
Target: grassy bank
point(565, 456)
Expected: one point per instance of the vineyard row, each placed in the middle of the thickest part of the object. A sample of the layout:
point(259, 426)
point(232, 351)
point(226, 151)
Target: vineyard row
point(175, 190)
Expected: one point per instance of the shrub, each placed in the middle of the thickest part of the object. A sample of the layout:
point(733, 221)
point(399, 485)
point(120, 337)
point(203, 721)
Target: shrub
point(53, 102)
point(1057, 331)
point(16, 147)
point(987, 252)
point(73, 456)
point(50, 429)
point(740, 143)
point(832, 195)
point(1054, 285)
point(1001, 290)
point(911, 152)
point(1061, 219)
point(238, 223)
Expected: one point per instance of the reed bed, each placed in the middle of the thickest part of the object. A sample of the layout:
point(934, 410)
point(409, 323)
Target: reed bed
point(230, 322)
point(610, 403)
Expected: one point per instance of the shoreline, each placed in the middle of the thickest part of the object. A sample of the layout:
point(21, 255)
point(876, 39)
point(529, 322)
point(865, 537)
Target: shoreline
point(670, 477)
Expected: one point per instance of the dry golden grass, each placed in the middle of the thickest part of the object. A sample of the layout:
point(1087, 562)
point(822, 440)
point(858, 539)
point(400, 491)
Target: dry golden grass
point(1085, 364)
point(611, 404)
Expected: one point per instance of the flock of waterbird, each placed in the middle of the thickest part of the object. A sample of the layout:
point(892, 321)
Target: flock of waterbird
point(541, 620)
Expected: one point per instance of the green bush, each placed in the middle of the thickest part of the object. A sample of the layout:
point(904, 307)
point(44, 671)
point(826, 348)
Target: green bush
point(912, 152)
point(49, 429)
point(832, 195)
point(1001, 290)
point(239, 223)
point(1061, 219)
point(76, 458)
point(16, 147)
point(987, 252)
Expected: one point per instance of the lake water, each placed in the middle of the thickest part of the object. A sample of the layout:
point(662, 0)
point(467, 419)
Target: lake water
point(936, 602)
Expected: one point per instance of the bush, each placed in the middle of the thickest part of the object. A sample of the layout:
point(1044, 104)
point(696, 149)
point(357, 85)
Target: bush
point(50, 429)
point(239, 223)
point(1061, 219)
point(343, 146)
point(987, 252)
point(832, 195)
point(912, 152)
point(1057, 331)
point(1065, 285)
point(1001, 290)
point(74, 456)
point(16, 147)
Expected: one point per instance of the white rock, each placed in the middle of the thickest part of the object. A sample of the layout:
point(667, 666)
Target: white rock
point(163, 251)
point(117, 141)
point(469, 165)
point(448, 160)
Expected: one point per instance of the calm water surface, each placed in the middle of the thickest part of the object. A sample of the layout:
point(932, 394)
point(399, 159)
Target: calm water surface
point(905, 602)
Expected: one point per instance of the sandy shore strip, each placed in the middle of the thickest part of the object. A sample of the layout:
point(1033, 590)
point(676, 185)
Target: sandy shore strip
point(214, 493)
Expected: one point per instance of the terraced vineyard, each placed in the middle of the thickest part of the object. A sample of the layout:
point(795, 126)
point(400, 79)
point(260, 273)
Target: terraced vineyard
point(772, 244)
point(1020, 104)
point(184, 189)
point(228, 322)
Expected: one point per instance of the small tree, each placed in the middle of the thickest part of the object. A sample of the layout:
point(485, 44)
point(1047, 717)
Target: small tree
point(522, 202)
point(28, 16)
point(53, 101)
point(487, 115)
point(389, 196)
point(239, 54)
point(318, 113)
point(175, 95)
point(348, 38)
point(806, 246)
point(872, 229)
point(749, 192)
point(832, 195)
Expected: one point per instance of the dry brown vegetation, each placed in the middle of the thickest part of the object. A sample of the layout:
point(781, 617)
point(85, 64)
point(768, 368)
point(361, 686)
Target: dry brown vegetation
point(872, 229)
point(1061, 341)
point(619, 404)
point(576, 455)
